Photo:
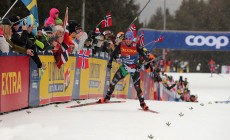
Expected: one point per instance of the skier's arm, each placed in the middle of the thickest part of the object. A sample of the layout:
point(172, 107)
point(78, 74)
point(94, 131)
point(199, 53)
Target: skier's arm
point(20, 40)
point(142, 54)
point(113, 54)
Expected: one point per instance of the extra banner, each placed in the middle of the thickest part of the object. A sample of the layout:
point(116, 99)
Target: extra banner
point(14, 76)
point(187, 40)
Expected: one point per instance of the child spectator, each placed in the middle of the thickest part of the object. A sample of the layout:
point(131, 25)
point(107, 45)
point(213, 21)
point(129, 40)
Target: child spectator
point(53, 19)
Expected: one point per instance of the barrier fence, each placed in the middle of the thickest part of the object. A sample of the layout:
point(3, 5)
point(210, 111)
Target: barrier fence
point(23, 85)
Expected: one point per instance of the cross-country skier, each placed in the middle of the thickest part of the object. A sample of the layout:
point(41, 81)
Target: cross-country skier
point(129, 55)
point(212, 66)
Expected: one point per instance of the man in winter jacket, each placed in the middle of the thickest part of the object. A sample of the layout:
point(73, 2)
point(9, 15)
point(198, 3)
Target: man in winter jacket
point(23, 40)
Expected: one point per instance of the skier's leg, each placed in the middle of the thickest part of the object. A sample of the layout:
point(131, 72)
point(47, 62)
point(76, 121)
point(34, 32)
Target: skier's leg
point(120, 74)
point(140, 95)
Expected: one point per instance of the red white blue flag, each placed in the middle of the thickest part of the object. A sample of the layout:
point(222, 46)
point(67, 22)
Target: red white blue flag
point(62, 54)
point(107, 21)
point(141, 39)
point(83, 59)
point(133, 29)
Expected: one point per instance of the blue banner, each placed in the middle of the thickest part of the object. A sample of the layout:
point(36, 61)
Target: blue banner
point(76, 85)
point(186, 40)
point(34, 85)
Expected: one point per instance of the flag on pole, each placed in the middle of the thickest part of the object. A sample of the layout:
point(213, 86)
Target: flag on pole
point(133, 29)
point(141, 39)
point(107, 21)
point(31, 5)
point(83, 59)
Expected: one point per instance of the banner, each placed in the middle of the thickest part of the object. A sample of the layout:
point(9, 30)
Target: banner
point(93, 79)
point(34, 85)
point(76, 86)
point(56, 85)
point(122, 87)
point(14, 76)
point(187, 40)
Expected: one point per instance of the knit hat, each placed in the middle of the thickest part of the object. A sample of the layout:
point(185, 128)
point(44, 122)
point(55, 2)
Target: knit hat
point(39, 28)
point(15, 20)
point(129, 35)
point(72, 25)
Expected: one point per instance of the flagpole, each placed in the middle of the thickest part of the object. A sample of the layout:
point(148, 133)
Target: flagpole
point(164, 26)
point(83, 15)
point(98, 23)
point(9, 9)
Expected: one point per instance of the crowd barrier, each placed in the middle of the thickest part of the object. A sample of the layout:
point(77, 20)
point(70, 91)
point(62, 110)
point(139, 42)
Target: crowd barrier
point(24, 85)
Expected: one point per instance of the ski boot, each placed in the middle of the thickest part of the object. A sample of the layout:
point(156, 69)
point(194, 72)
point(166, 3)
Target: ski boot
point(104, 100)
point(144, 106)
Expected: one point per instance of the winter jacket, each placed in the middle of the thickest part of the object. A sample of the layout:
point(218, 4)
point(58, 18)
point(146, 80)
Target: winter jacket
point(51, 19)
point(21, 40)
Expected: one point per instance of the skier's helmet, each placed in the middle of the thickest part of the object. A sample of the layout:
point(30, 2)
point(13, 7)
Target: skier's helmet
point(129, 35)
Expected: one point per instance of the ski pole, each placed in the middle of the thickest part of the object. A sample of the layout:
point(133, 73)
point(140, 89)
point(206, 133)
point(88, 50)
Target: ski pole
point(138, 14)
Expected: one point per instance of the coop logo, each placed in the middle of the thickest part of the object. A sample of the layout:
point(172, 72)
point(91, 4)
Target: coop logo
point(210, 41)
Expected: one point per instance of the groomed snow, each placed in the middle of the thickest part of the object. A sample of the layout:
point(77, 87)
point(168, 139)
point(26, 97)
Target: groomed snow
point(123, 121)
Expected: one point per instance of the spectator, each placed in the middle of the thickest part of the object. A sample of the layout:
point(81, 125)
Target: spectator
point(81, 37)
point(53, 19)
point(168, 66)
point(185, 96)
point(186, 83)
point(198, 67)
point(5, 33)
point(45, 37)
point(193, 98)
point(22, 40)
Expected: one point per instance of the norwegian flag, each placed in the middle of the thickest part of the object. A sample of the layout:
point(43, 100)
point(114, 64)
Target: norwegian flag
point(62, 54)
point(83, 59)
point(133, 29)
point(141, 39)
point(107, 21)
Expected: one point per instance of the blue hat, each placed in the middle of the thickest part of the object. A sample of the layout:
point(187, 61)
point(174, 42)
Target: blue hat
point(129, 35)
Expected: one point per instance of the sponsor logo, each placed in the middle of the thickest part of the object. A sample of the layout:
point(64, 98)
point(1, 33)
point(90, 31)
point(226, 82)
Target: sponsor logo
point(56, 88)
point(211, 41)
point(129, 51)
point(11, 83)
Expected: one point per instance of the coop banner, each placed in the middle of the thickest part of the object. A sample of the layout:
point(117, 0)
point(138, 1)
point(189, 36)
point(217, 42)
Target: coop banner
point(56, 85)
point(14, 76)
point(187, 40)
point(93, 79)
point(122, 88)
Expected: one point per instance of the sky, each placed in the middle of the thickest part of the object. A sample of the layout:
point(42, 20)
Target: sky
point(205, 120)
point(173, 5)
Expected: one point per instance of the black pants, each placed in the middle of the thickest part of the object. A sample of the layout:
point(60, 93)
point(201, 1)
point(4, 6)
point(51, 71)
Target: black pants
point(120, 74)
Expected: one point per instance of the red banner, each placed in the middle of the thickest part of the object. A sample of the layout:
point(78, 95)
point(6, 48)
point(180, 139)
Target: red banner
point(14, 82)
